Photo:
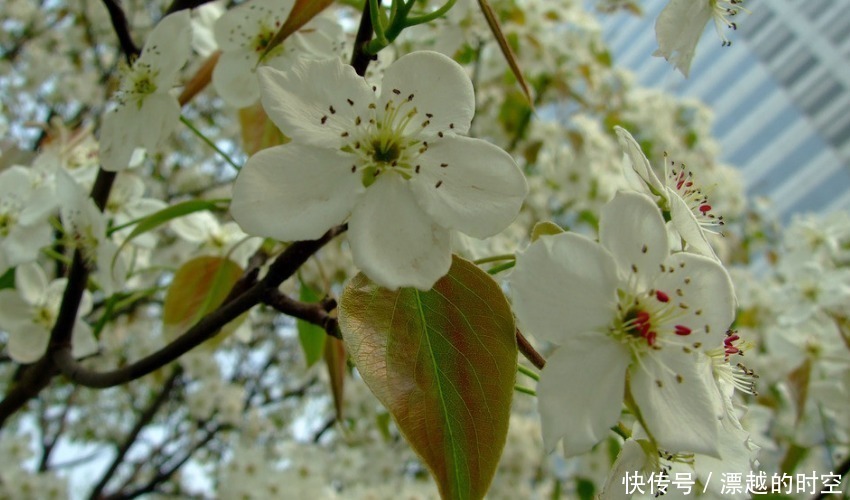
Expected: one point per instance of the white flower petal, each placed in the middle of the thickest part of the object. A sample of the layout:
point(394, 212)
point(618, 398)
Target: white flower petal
point(632, 459)
point(130, 126)
point(14, 310)
point(23, 242)
point(83, 342)
point(678, 30)
point(310, 102)
point(167, 48)
point(393, 241)
point(31, 282)
point(580, 394)
point(686, 224)
point(632, 228)
point(235, 79)
point(639, 161)
point(673, 391)
point(480, 190)
point(703, 294)
point(157, 119)
point(28, 343)
point(563, 285)
point(294, 192)
point(196, 227)
point(439, 86)
point(238, 28)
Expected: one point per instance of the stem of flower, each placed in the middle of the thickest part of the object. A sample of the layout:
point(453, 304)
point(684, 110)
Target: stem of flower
point(495, 258)
point(360, 56)
point(426, 18)
point(528, 372)
point(501, 267)
point(528, 351)
point(525, 390)
point(209, 143)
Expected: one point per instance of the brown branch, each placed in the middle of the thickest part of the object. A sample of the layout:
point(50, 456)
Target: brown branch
point(144, 419)
point(237, 303)
point(178, 5)
point(528, 351)
point(165, 474)
point(360, 59)
point(316, 314)
point(37, 376)
point(122, 30)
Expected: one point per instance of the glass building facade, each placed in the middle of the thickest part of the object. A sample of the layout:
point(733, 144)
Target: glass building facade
point(781, 94)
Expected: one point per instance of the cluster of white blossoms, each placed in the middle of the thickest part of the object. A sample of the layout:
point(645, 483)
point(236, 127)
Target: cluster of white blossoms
point(631, 319)
point(395, 161)
point(649, 348)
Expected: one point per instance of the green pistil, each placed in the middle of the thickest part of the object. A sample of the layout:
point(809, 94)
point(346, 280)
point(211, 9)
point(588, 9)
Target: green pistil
point(383, 152)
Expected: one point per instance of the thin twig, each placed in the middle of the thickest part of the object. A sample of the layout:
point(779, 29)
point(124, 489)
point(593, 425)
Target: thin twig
point(237, 303)
point(528, 351)
point(360, 59)
point(143, 420)
point(122, 30)
point(316, 314)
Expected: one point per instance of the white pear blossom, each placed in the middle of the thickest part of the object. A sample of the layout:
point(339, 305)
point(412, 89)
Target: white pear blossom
point(29, 311)
point(690, 212)
point(87, 228)
point(630, 319)
point(25, 205)
point(244, 32)
point(394, 161)
point(147, 112)
point(211, 236)
point(127, 203)
point(681, 23)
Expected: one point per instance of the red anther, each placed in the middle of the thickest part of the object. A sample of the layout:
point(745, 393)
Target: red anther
point(661, 296)
point(731, 338)
point(650, 337)
point(682, 330)
point(704, 208)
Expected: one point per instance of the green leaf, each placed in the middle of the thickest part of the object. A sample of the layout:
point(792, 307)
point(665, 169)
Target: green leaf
point(443, 362)
point(198, 288)
point(336, 361)
point(7, 280)
point(169, 213)
point(312, 337)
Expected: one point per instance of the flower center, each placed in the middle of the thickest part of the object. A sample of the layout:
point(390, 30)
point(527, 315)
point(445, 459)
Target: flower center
point(385, 153)
point(643, 317)
point(384, 142)
point(681, 180)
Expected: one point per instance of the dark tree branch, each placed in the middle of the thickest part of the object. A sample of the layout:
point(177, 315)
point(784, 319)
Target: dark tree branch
point(178, 5)
point(36, 377)
point(122, 30)
point(237, 303)
point(528, 351)
point(144, 419)
point(164, 475)
point(360, 59)
point(49, 442)
point(316, 314)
